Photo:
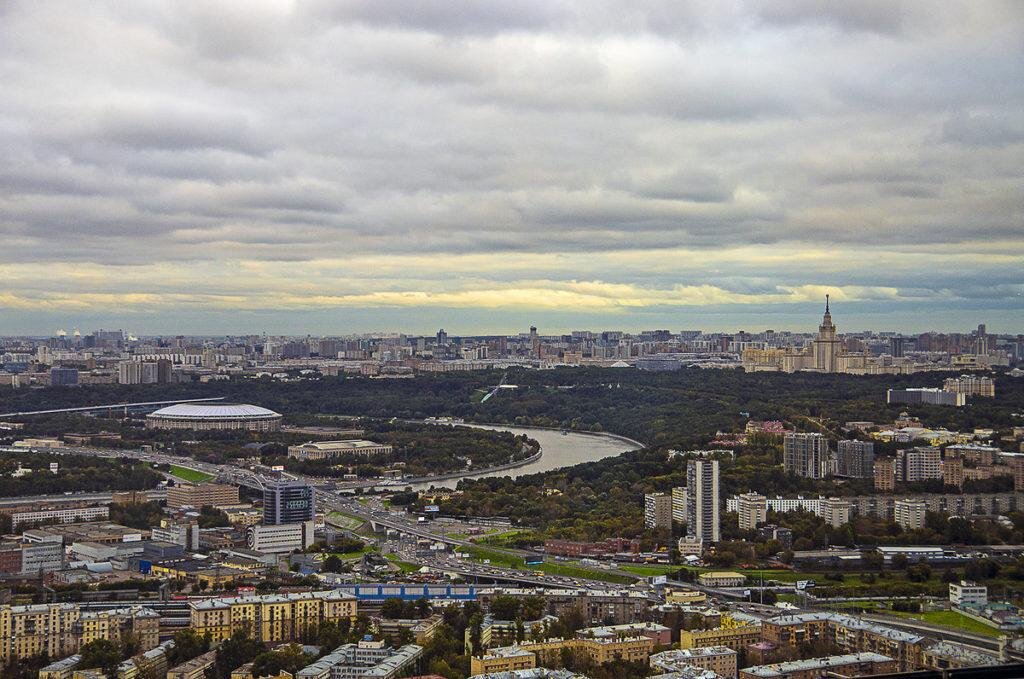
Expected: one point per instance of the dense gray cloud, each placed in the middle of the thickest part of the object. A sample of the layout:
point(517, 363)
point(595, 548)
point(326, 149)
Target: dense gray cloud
point(273, 137)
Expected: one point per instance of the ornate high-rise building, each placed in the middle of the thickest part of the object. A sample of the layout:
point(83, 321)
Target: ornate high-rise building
point(826, 346)
point(825, 353)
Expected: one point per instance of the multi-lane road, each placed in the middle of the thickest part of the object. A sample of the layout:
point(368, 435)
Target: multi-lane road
point(373, 512)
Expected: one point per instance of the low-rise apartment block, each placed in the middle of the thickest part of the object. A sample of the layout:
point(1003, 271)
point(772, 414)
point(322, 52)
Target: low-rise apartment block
point(722, 579)
point(59, 630)
point(58, 515)
point(598, 605)
point(970, 385)
point(719, 659)
point(195, 668)
point(272, 617)
point(851, 634)
point(928, 396)
point(852, 665)
point(527, 655)
point(732, 633)
point(369, 659)
point(201, 495)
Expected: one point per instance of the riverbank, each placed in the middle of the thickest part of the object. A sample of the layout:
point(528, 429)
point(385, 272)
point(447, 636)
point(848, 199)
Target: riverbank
point(489, 471)
point(581, 432)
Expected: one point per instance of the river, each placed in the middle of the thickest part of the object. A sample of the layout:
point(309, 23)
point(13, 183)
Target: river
point(558, 450)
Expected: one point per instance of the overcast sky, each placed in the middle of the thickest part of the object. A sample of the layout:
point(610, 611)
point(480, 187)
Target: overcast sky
point(327, 167)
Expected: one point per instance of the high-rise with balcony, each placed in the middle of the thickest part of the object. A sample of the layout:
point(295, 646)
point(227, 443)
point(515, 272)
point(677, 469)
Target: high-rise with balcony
point(702, 504)
point(855, 459)
point(806, 455)
point(657, 510)
point(918, 464)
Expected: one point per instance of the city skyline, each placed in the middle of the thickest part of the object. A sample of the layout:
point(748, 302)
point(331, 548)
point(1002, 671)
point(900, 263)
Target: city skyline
point(328, 324)
point(365, 166)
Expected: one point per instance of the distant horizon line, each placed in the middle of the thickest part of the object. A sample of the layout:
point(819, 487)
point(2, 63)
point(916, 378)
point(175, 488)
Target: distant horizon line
point(397, 333)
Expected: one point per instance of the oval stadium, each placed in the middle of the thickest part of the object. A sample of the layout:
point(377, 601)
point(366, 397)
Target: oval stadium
point(202, 416)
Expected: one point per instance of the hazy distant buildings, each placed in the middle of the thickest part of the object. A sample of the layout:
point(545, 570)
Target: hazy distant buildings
point(970, 385)
point(929, 396)
point(63, 377)
point(805, 455)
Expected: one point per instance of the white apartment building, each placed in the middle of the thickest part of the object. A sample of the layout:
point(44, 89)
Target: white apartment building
point(783, 505)
point(702, 504)
point(966, 592)
point(752, 509)
point(281, 538)
point(910, 514)
point(59, 515)
point(918, 464)
point(836, 511)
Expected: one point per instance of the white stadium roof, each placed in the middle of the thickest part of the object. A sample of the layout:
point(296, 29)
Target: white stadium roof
point(207, 412)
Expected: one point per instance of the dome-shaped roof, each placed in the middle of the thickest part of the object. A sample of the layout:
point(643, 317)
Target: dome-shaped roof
point(201, 411)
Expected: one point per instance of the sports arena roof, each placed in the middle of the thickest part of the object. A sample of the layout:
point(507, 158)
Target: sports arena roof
point(204, 412)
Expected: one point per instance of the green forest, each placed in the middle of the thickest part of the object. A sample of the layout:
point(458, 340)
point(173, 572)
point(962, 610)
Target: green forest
point(422, 449)
point(668, 409)
point(76, 473)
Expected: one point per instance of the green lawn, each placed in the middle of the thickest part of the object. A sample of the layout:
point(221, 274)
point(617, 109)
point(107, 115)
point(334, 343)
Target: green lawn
point(951, 619)
point(403, 566)
point(649, 570)
point(788, 577)
point(496, 537)
point(506, 560)
point(344, 520)
point(193, 475)
point(571, 571)
point(854, 604)
point(356, 554)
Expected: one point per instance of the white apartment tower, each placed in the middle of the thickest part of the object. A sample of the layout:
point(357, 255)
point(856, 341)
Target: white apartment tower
point(702, 503)
point(752, 509)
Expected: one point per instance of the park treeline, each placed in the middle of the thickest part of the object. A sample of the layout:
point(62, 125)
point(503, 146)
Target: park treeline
point(684, 407)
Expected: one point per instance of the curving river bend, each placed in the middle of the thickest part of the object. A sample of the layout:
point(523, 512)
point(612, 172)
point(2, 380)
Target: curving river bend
point(557, 450)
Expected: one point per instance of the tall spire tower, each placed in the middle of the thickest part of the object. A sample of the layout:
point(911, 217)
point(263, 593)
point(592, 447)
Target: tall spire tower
point(826, 344)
